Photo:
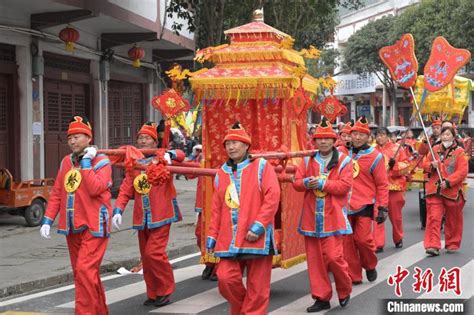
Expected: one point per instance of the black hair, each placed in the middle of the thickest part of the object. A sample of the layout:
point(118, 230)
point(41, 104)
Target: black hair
point(382, 130)
point(453, 132)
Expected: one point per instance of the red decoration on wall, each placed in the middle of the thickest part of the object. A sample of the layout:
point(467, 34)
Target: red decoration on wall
point(443, 64)
point(69, 36)
point(400, 59)
point(136, 53)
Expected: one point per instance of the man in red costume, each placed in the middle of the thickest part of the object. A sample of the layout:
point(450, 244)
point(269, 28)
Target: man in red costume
point(345, 142)
point(370, 187)
point(344, 139)
point(397, 169)
point(154, 210)
point(81, 196)
point(245, 200)
point(326, 179)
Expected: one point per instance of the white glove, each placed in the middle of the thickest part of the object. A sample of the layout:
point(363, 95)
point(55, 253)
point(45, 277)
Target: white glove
point(44, 231)
point(167, 157)
point(116, 221)
point(90, 153)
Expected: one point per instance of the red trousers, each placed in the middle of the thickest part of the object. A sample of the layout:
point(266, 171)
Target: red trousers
point(324, 255)
point(396, 201)
point(254, 299)
point(359, 247)
point(436, 207)
point(157, 270)
point(86, 253)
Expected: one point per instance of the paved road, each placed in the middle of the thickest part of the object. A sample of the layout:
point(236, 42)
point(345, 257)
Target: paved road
point(290, 288)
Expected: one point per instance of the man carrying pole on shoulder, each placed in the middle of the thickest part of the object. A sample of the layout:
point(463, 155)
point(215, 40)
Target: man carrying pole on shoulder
point(245, 201)
point(326, 179)
point(154, 210)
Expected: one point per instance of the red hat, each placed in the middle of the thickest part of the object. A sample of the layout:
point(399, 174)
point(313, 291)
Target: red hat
point(347, 128)
point(324, 131)
point(149, 129)
point(237, 133)
point(79, 124)
point(436, 122)
point(361, 125)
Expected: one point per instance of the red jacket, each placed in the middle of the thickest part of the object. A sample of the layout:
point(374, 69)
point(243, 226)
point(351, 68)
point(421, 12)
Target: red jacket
point(326, 215)
point(258, 193)
point(89, 206)
point(370, 185)
point(453, 167)
point(397, 180)
point(154, 209)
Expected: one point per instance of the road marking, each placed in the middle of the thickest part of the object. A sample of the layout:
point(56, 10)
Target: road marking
point(211, 298)
point(128, 291)
point(385, 267)
point(71, 286)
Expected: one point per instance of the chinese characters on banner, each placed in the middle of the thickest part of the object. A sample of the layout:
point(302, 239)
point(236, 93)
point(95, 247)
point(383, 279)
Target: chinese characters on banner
point(448, 280)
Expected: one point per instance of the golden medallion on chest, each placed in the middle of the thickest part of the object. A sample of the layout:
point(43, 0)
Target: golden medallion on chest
point(320, 193)
point(72, 180)
point(355, 168)
point(231, 197)
point(141, 184)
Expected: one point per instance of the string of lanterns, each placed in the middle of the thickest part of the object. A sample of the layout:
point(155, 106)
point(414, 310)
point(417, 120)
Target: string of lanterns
point(70, 36)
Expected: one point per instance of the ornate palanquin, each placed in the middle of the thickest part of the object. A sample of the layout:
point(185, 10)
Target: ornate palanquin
point(254, 80)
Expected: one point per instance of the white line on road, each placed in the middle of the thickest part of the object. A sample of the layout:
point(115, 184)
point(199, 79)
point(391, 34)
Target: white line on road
point(138, 288)
point(211, 298)
point(71, 286)
point(385, 267)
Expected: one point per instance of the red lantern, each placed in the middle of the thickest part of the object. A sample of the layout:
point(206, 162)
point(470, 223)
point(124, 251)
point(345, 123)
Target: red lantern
point(136, 54)
point(70, 36)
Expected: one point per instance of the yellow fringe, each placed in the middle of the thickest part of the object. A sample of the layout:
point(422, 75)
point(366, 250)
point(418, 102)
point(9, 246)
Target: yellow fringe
point(264, 55)
point(285, 264)
point(207, 258)
point(276, 260)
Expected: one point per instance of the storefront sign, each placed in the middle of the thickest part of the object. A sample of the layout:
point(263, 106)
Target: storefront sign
point(355, 84)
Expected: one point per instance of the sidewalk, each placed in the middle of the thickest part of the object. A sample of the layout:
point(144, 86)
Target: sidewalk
point(29, 262)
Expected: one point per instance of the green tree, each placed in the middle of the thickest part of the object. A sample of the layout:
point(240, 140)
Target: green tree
point(308, 21)
point(453, 19)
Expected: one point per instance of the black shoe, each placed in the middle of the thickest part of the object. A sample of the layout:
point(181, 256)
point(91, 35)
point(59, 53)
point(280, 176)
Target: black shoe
point(213, 277)
point(206, 273)
point(371, 275)
point(318, 306)
point(379, 250)
point(356, 282)
point(149, 302)
point(399, 244)
point(344, 302)
point(162, 300)
point(432, 252)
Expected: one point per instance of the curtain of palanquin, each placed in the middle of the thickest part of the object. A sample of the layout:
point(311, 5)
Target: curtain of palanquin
point(270, 125)
point(262, 120)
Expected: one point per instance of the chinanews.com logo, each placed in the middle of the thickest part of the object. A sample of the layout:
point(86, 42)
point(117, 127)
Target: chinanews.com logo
point(425, 306)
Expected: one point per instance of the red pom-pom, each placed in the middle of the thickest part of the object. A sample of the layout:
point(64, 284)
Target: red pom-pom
point(157, 174)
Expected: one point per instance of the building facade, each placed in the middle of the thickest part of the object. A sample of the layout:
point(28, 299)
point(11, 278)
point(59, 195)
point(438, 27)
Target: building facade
point(42, 85)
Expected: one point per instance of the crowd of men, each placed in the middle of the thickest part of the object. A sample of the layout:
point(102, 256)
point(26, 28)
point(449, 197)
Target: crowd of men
point(350, 186)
